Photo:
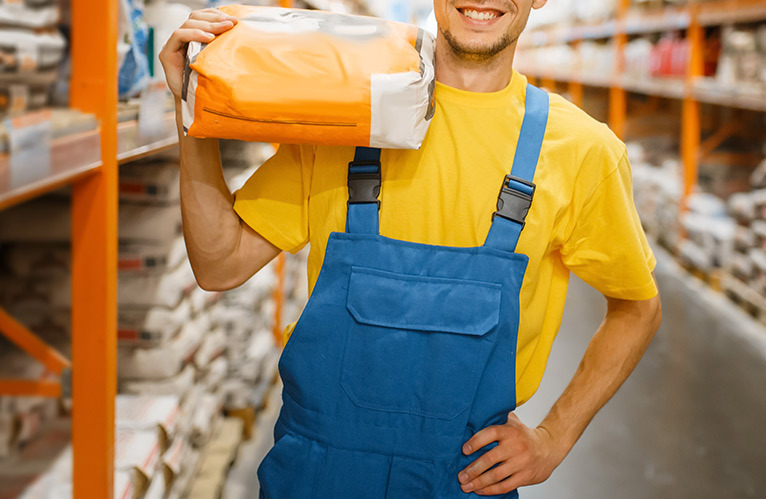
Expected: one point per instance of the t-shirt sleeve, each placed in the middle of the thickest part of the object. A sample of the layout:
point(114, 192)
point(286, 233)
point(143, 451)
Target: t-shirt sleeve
point(274, 200)
point(608, 248)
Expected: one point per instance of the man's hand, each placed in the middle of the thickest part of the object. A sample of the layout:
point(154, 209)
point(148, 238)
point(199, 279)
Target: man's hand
point(202, 26)
point(523, 456)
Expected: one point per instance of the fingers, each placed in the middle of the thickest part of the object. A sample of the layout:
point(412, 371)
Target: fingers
point(202, 26)
point(215, 28)
point(482, 464)
point(182, 36)
point(503, 486)
point(490, 478)
point(211, 15)
point(480, 439)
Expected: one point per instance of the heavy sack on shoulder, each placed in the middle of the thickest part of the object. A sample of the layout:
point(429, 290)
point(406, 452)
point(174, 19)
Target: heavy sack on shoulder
point(300, 76)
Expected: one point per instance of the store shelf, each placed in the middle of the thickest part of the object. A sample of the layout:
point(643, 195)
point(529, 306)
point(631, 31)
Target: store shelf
point(645, 21)
point(729, 96)
point(132, 144)
point(671, 88)
point(652, 21)
point(72, 158)
point(729, 12)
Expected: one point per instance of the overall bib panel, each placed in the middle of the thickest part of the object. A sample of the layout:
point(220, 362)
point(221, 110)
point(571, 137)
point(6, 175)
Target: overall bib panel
point(404, 350)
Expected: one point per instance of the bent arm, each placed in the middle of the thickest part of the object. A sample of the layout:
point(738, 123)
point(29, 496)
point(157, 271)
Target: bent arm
point(223, 250)
point(611, 356)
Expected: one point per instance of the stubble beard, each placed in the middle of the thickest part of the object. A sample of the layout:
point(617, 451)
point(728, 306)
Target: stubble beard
point(478, 53)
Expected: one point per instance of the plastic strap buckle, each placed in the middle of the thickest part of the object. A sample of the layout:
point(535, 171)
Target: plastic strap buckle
point(364, 182)
point(513, 204)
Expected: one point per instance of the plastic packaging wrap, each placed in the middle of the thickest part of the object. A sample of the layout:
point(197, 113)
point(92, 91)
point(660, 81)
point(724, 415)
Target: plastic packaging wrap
point(298, 76)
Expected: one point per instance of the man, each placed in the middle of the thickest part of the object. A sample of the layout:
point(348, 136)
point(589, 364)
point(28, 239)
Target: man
point(440, 199)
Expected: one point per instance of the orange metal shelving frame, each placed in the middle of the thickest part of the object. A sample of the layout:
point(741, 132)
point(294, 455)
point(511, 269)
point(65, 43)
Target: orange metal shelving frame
point(94, 264)
point(94, 255)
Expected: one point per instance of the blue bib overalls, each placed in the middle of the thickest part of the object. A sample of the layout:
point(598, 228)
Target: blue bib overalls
point(404, 350)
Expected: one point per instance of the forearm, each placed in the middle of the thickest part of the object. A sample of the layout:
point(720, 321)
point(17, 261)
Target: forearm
point(212, 229)
point(611, 356)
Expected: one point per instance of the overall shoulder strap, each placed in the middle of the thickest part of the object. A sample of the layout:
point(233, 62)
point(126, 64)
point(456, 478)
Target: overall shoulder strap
point(363, 191)
point(516, 194)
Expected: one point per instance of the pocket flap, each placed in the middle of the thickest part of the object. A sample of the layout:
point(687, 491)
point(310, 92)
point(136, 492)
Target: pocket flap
point(421, 303)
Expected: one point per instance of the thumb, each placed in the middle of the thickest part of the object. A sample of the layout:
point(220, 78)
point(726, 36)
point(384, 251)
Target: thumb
point(513, 419)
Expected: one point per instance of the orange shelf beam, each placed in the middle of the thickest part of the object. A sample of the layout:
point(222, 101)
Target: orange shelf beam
point(94, 255)
point(30, 343)
point(30, 388)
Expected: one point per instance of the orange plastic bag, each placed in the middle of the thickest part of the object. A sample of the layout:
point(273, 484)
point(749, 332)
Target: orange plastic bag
point(301, 76)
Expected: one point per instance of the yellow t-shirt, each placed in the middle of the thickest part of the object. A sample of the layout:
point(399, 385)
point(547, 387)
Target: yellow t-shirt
point(582, 217)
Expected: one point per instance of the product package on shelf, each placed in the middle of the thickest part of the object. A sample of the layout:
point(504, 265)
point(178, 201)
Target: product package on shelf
point(29, 13)
point(164, 360)
point(150, 181)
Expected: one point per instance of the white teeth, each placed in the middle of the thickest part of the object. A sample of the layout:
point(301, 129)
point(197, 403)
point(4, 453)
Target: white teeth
point(479, 16)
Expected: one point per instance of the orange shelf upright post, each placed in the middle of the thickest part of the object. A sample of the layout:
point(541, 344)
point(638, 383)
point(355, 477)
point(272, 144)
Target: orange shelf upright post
point(618, 105)
point(575, 86)
point(94, 255)
point(690, 119)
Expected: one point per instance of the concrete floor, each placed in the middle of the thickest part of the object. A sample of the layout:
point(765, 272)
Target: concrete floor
point(687, 424)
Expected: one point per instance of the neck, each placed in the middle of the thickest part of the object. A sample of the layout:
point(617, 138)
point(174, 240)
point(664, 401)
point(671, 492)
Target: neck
point(474, 75)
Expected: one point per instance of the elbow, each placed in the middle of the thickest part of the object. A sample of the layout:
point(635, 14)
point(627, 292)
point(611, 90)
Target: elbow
point(215, 281)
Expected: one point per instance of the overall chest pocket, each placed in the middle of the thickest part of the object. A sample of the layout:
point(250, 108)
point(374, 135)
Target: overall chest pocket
point(417, 345)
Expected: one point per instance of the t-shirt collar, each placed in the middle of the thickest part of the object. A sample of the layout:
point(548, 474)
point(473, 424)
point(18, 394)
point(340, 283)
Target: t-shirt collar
point(513, 91)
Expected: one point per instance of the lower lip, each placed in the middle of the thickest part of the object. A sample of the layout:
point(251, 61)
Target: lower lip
point(479, 22)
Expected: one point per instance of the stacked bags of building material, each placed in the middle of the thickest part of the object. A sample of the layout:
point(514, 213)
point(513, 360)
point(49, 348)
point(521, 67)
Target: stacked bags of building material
point(745, 279)
point(31, 49)
point(298, 76)
point(710, 233)
point(180, 348)
point(657, 188)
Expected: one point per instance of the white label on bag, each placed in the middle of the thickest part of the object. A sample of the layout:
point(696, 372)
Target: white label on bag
point(29, 139)
point(151, 114)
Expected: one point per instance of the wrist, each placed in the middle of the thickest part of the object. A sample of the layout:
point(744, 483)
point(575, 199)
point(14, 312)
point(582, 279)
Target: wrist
point(558, 445)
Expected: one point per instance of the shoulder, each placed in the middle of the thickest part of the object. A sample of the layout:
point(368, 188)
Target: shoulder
point(581, 148)
point(571, 127)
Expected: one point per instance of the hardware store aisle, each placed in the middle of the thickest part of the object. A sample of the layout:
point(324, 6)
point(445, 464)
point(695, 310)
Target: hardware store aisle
point(687, 424)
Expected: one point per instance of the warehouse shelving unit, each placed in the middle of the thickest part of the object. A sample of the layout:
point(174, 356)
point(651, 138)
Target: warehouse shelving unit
point(88, 162)
point(692, 90)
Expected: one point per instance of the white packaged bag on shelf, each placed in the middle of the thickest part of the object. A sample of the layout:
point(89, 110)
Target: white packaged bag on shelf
point(56, 483)
point(206, 418)
point(149, 413)
point(214, 374)
point(164, 360)
point(180, 384)
point(213, 346)
point(154, 182)
point(138, 257)
point(142, 326)
point(175, 461)
point(157, 288)
point(137, 452)
point(141, 222)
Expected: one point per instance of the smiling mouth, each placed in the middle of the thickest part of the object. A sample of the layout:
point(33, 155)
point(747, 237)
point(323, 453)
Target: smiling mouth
point(480, 14)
